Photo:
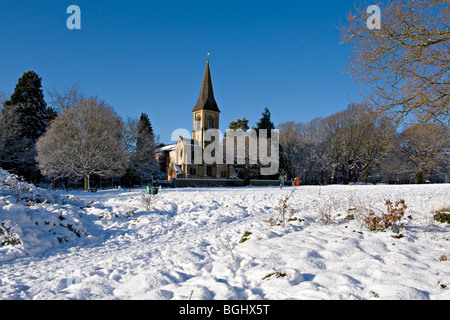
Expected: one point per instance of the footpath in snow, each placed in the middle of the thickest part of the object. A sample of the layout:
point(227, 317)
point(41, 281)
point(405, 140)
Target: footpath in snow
point(222, 243)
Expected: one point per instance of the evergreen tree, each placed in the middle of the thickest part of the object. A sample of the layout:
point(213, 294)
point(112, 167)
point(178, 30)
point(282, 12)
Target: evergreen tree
point(239, 124)
point(143, 161)
point(145, 132)
point(28, 96)
point(24, 118)
point(265, 123)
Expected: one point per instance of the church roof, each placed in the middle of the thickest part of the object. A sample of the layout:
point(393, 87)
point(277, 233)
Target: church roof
point(169, 147)
point(206, 99)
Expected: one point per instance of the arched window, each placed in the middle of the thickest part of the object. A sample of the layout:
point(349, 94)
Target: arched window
point(198, 122)
point(210, 123)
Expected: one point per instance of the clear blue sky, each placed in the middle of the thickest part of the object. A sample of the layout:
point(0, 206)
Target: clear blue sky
point(149, 56)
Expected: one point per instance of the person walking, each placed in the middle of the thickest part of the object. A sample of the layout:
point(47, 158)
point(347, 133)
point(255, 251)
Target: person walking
point(281, 181)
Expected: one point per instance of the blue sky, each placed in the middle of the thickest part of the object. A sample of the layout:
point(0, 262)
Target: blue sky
point(149, 56)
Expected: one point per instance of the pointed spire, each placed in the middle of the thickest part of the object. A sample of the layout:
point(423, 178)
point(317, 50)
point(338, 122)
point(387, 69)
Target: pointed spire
point(206, 99)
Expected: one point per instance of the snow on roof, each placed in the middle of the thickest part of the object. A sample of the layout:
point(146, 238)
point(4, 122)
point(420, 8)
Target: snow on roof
point(169, 147)
point(190, 142)
point(177, 169)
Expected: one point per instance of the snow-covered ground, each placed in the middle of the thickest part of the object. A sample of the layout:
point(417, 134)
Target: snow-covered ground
point(105, 245)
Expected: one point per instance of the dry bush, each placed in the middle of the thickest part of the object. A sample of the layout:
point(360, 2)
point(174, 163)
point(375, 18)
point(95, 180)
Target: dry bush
point(443, 208)
point(148, 200)
point(325, 214)
point(334, 204)
point(284, 212)
point(393, 218)
point(229, 247)
point(276, 273)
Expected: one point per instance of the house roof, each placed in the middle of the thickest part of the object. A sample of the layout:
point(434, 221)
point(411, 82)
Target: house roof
point(206, 99)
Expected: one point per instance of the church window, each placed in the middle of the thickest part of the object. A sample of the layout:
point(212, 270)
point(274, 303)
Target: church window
point(198, 123)
point(210, 123)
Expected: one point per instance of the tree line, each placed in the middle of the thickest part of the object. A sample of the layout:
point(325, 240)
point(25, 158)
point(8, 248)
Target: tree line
point(356, 145)
point(77, 138)
point(359, 145)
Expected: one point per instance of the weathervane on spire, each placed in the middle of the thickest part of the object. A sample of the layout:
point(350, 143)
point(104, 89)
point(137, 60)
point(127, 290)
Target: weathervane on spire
point(208, 55)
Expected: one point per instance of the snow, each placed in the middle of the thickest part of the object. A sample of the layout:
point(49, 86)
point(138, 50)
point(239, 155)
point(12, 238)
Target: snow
point(189, 244)
point(169, 147)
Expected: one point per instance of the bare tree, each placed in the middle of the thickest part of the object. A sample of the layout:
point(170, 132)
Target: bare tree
point(406, 63)
point(425, 146)
point(365, 138)
point(83, 140)
point(63, 101)
point(347, 146)
point(3, 97)
point(292, 146)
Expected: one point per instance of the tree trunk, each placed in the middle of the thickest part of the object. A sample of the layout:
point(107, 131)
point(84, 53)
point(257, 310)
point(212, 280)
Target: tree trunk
point(366, 174)
point(246, 176)
point(86, 182)
point(419, 177)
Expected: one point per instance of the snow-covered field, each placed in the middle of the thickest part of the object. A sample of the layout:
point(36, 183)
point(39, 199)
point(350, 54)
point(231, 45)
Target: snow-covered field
point(105, 245)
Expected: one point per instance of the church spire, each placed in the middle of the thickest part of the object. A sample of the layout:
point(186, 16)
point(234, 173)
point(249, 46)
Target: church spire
point(206, 99)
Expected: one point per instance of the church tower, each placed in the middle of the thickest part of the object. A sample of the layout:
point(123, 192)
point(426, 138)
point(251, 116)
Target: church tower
point(206, 112)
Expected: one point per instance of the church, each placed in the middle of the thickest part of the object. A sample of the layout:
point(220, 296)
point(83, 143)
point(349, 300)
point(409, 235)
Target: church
point(183, 160)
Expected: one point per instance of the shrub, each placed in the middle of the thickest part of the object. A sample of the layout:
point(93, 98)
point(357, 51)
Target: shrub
point(325, 215)
point(277, 274)
point(284, 212)
point(331, 205)
point(130, 213)
point(442, 217)
point(8, 237)
point(148, 200)
point(349, 217)
point(393, 218)
point(245, 237)
point(229, 247)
